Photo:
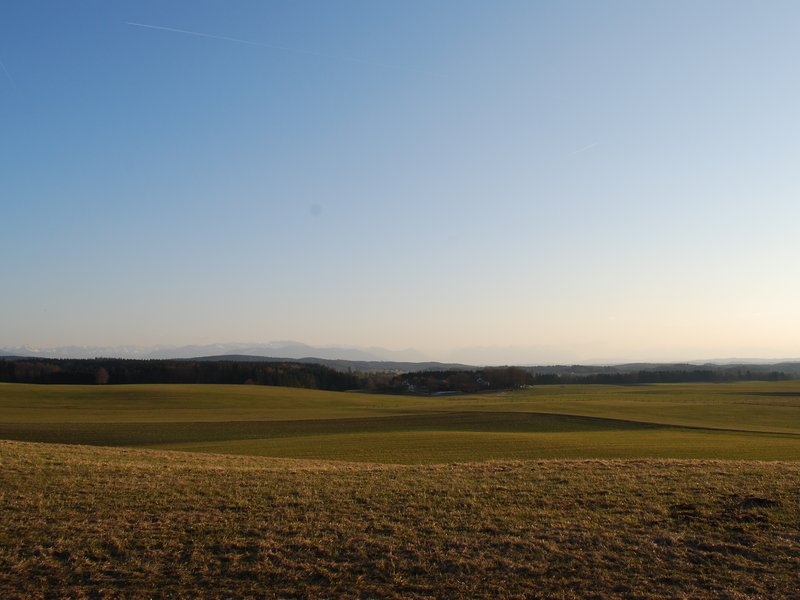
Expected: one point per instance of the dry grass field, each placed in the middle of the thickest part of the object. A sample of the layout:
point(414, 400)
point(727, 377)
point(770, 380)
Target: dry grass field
point(83, 522)
point(686, 491)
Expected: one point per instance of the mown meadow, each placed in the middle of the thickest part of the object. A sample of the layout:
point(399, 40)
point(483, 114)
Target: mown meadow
point(168, 491)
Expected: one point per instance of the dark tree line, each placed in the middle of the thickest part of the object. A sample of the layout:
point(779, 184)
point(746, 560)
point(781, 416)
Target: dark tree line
point(431, 382)
point(640, 377)
point(114, 371)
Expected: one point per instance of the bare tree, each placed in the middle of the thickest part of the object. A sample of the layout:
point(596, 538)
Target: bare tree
point(101, 377)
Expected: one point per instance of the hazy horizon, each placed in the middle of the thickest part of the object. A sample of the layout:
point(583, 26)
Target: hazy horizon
point(611, 181)
point(480, 356)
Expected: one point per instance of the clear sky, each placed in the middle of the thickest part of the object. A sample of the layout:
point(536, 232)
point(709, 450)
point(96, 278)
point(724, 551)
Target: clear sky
point(615, 180)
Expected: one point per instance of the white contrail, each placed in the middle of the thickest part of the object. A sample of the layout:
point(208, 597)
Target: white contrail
point(577, 151)
point(227, 39)
point(9, 78)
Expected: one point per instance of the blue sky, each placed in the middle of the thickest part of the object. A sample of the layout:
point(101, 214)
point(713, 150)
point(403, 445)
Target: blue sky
point(615, 180)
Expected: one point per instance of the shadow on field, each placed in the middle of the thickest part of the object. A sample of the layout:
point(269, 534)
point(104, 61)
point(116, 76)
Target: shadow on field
point(149, 434)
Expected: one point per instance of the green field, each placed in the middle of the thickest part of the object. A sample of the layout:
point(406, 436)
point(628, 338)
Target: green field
point(741, 421)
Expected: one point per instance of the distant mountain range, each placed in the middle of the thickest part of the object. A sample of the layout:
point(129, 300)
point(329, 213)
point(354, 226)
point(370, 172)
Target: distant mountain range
point(282, 349)
point(355, 365)
point(369, 358)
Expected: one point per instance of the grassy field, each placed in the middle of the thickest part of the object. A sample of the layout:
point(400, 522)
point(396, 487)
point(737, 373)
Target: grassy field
point(755, 421)
point(561, 492)
point(90, 522)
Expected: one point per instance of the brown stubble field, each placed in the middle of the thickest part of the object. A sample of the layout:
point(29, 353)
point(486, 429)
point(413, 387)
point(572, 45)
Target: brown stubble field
point(88, 522)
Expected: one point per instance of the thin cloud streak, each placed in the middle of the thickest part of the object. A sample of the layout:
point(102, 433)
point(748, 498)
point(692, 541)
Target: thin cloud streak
point(9, 78)
point(356, 60)
point(579, 151)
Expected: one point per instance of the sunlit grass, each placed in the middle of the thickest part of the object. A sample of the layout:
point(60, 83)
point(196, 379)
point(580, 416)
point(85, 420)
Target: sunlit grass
point(24, 403)
point(83, 522)
point(447, 447)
